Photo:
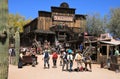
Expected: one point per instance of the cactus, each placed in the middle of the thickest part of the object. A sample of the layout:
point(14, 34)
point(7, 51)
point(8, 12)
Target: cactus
point(3, 39)
point(17, 45)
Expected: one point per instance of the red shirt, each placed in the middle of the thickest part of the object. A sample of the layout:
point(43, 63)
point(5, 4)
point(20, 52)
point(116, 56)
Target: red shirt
point(54, 55)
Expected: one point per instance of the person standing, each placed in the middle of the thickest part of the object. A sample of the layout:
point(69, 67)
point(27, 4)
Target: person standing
point(20, 62)
point(54, 58)
point(70, 61)
point(65, 61)
point(78, 59)
point(12, 55)
point(46, 57)
point(116, 52)
point(88, 60)
point(81, 47)
point(10, 51)
point(34, 59)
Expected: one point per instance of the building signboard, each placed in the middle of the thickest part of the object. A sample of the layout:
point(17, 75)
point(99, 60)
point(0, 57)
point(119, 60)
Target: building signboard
point(63, 18)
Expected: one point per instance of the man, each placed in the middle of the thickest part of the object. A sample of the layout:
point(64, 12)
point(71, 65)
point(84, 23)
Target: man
point(88, 60)
point(46, 57)
point(70, 61)
point(78, 59)
point(65, 61)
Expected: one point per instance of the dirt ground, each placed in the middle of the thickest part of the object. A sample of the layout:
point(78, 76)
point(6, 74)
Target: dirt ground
point(38, 72)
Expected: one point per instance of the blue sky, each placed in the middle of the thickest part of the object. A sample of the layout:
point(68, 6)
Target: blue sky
point(30, 8)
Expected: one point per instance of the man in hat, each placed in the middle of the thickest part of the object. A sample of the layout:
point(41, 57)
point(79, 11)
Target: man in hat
point(88, 60)
point(78, 59)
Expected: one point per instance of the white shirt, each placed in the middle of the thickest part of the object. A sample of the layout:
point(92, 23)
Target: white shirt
point(69, 57)
point(10, 50)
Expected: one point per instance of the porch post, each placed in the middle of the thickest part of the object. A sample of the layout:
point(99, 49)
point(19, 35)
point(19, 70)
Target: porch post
point(108, 51)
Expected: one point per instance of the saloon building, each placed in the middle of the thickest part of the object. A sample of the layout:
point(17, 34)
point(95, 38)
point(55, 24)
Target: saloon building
point(61, 24)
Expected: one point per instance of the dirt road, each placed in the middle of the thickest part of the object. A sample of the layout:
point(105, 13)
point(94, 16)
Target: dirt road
point(38, 72)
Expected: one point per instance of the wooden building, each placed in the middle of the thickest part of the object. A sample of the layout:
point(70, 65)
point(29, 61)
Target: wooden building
point(61, 24)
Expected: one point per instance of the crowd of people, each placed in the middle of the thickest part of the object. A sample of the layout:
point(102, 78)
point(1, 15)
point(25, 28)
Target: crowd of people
point(67, 58)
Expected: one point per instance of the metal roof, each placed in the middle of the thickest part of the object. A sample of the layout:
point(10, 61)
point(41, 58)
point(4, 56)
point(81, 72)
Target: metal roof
point(111, 42)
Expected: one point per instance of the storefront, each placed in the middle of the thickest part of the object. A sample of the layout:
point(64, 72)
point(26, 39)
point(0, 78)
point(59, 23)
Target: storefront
point(61, 24)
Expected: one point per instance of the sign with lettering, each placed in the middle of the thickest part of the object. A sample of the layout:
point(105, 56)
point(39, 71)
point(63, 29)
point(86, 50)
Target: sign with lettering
point(63, 18)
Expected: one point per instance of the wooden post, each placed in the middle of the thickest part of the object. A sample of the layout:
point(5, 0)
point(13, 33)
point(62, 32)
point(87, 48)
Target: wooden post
point(98, 52)
point(108, 51)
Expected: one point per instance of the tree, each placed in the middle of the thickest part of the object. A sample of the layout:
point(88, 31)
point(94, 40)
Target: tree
point(114, 22)
point(17, 21)
point(95, 25)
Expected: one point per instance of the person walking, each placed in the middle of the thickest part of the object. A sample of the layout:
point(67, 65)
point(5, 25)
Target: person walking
point(54, 58)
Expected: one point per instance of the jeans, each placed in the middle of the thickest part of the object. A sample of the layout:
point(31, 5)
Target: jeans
point(54, 62)
point(46, 61)
point(71, 65)
point(65, 62)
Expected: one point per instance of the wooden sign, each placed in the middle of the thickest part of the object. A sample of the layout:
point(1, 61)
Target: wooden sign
point(63, 18)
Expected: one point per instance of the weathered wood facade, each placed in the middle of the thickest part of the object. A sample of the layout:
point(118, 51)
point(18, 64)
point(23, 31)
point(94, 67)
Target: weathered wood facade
point(61, 23)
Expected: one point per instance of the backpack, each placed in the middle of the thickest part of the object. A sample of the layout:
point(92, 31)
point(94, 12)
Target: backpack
point(46, 55)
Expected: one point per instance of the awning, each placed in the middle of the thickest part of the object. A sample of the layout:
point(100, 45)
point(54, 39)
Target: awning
point(44, 31)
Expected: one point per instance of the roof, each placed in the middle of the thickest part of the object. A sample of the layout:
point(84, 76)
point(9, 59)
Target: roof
point(112, 42)
point(44, 31)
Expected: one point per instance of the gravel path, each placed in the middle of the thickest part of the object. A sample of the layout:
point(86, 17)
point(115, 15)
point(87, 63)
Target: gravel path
point(38, 72)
